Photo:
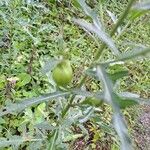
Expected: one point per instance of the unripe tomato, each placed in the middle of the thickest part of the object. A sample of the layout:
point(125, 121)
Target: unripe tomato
point(62, 73)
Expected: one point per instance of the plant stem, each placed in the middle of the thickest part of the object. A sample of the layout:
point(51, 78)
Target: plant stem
point(99, 52)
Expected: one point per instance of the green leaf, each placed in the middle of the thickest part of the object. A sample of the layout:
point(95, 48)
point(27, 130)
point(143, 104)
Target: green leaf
point(39, 113)
point(16, 140)
point(97, 95)
point(91, 73)
point(115, 76)
point(2, 81)
point(87, 9)
point(2, 121)
point(142, 5)
point(49, 65)
point(86, 115)
point(125, 102)
point(6, 142)
point(76, 4)
point(107, 128)
point(45, 125)
point(92, 101)
point(140, 52)
point(17, 107)
point(134, 97)
point(133, 54)
point(41, 107)
point(52, 142)
point(107, 84)
point(24, 79)
point(110, 97)
point(136, 13)
point(95, 27)
point(52, 1)
point(72, 137)
point(117, 67)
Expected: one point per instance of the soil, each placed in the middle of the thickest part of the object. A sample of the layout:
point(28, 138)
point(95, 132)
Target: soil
point(142, 130)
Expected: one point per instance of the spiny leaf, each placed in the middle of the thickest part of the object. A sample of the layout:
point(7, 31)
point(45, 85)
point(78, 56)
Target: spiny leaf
point(109, 95)
point(142, 5)
point(124, 102)
point(87, 9)
point(98, 95)
point(49, 65)
point(114, 76)
point(15, 141)
point(17, 107)
point(107, 84)
point(87, 115)
point(133, 54)
point(134, 97)
point(95, 27)
point(72, 137)
point(117, 75)
point(45, 126)
point(141, 52)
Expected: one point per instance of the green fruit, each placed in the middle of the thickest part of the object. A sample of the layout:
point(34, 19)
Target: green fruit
point(62, 73)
